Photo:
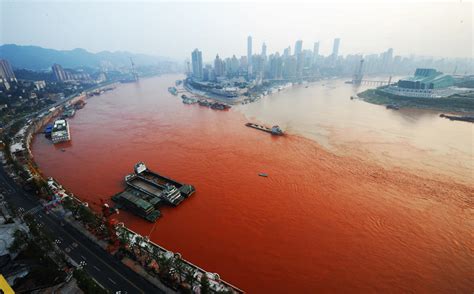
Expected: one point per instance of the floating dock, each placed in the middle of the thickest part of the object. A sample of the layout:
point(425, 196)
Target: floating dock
point(134, 202)
point(147, 191)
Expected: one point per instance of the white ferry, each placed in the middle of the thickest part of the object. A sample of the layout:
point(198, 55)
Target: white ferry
point(60, 132)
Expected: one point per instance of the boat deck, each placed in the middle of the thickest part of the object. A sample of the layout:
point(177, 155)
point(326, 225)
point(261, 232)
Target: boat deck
point(152, 177)
point(148, 187)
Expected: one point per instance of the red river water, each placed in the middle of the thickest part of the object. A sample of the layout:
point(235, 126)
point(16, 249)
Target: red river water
point(356, 202)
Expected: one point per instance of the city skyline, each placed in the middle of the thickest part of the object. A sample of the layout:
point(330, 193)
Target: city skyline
point(49, 23)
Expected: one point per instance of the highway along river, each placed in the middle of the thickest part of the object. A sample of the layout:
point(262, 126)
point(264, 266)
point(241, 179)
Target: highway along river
point(357, 198)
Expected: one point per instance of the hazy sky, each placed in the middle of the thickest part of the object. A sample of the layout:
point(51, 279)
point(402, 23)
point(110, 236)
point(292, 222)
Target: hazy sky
point(175, 29)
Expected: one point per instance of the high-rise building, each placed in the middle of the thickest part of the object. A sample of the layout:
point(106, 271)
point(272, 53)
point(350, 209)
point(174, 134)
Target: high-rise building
point(249, 55)
point(59, 73)
point(276, 66)
point(232, 66)
point(298, 47)
point(287, 51)
point(243, 63)
point(289, 70)
point(218, 67)
point(315, 51)
point(196, 59)
point(387, 58)
point(264, 50)
point(6, 71)
point(335, 48)
point(299, 64)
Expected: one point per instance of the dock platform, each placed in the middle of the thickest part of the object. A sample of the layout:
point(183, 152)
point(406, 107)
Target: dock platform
point(147, 190)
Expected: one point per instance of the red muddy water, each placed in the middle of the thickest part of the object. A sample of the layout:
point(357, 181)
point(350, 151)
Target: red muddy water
point(320, 222)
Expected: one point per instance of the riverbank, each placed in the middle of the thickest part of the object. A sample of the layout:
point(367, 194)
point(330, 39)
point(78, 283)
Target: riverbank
point(454, 104)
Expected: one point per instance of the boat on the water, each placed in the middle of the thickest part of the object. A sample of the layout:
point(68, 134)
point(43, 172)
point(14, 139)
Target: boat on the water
point(203, 102)
point(188, 100)
point(60, 131)
point(459, 118)
point(173, 90)
point(48, 130)
point(275, 130)
point(393, 106)
point(147, 190)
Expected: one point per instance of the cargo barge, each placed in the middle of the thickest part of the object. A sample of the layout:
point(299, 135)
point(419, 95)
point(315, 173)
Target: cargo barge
point(147, 190)
point(275, 130)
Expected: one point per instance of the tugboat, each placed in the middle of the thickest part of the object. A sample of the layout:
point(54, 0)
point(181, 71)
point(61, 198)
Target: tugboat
point(219, 106)
point(392, 106)
point(203, 103)
point(275, 130)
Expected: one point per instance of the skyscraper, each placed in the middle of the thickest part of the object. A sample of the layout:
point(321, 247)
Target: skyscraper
point(218, 67)
point(249, 55)
point(196, 59)
point(264, 50)
point(298, 47)
point(59, 73)
point(6, 71)
point(276, 66)
point(300, 64)
point(315, 51)
point(234, 65)
point(335, 48)
point(289, 70)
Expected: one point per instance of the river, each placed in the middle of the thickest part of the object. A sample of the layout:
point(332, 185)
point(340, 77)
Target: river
point(357, 198)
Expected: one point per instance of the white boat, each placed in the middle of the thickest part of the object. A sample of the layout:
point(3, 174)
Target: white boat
point(60, 132)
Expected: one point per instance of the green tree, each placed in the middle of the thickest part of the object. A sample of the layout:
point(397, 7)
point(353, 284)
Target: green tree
point(87, 284)
point(205, 284)
point(21, 239)
point(190, 276)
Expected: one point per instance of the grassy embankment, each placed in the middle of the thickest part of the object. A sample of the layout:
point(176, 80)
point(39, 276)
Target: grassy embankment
point(456, 103)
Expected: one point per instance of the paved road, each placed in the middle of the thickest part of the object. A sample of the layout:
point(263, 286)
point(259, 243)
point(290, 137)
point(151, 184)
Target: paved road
point(103, 267)
point(58, 103)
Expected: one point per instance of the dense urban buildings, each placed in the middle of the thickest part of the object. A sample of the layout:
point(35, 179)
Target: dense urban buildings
point(307, 64)
point(197, 64)
point(6, 71)
point(59, 73)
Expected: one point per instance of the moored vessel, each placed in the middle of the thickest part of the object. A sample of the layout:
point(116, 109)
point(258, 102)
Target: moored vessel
point(147, 190)
point(60, 131)
point(173, 90)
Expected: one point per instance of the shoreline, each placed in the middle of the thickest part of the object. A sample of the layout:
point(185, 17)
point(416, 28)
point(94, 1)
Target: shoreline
point(240, 100)
point(462, 106)
point(137, 241)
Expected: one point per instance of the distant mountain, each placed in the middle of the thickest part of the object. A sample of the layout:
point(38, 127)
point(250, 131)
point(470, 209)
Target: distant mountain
point(37, 58)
